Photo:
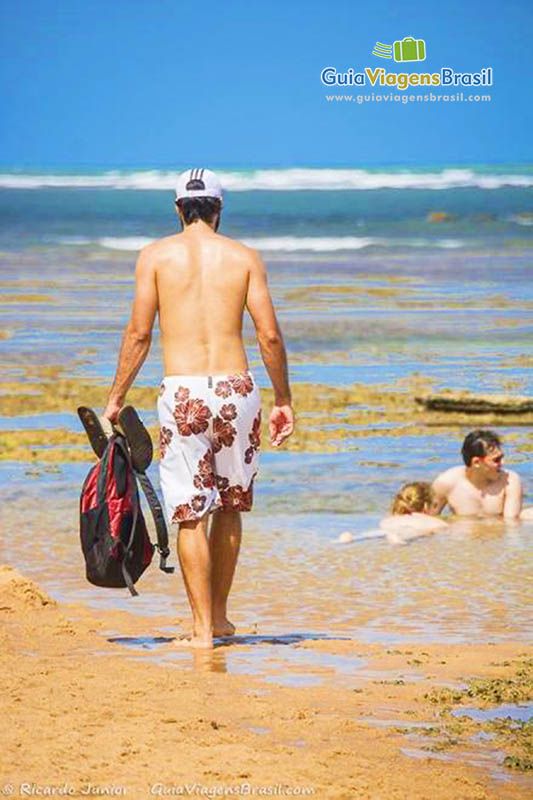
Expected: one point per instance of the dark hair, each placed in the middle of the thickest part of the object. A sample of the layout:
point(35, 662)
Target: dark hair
point(204, 208)
point(478, 443)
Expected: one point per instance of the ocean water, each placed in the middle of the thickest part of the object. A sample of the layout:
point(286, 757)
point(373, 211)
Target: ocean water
point(370, 289)
point(278, 211)
point(463, 295)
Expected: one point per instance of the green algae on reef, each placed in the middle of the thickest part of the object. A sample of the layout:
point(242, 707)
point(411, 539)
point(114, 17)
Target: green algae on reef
point(329, 418)
point(491, 690)
point(514, 737)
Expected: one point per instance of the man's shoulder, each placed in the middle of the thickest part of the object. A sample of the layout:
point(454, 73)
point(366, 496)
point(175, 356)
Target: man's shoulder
point(513, 478)
point(238, 248)
point(158, 245)
point(175, 246)
point(450, 477)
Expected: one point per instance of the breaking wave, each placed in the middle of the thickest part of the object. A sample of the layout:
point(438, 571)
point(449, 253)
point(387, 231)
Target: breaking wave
point(276, 180)
point(284, 244)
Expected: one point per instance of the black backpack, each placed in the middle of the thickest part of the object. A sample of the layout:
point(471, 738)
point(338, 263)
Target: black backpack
point(114, 538)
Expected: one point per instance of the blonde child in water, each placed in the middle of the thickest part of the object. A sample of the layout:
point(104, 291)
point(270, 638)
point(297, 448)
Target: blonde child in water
point(410, 516)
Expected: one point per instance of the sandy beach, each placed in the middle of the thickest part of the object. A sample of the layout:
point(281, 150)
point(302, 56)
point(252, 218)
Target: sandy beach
point(88, 715)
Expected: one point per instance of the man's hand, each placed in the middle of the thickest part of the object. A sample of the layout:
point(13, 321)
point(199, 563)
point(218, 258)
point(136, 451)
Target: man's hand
point(112, 410)
point(280, 424)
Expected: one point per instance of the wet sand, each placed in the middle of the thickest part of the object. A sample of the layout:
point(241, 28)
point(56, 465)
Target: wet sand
point(86, 709)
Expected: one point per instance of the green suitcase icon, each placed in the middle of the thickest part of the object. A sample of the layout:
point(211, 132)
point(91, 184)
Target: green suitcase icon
point(410, 49)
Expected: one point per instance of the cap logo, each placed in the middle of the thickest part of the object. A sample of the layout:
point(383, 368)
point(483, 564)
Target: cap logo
point(195, 182)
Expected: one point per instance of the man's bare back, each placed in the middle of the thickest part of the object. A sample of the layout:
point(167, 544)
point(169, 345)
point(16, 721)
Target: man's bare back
point(202, 281)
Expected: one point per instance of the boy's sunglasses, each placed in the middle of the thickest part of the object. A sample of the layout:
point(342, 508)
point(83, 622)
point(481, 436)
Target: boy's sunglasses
point(493, 459)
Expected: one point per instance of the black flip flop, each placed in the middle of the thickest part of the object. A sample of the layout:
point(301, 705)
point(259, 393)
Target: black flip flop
point(137, 437)
point(93, 428)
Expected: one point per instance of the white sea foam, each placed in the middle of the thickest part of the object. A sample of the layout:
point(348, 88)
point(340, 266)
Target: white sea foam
point(448, 244)
point(522, 219)
point(286, 244)
point(330, 244)
point(276, 180)
point(125, 242)
point(316, 244)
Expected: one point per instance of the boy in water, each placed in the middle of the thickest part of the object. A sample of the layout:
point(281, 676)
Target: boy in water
point(482, 487)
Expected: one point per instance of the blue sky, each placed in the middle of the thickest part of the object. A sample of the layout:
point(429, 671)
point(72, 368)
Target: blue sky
point(164, 83)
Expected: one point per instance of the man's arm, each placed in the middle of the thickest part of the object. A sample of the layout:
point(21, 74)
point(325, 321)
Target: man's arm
point(513, 497)
point(272, 348)
point(137, 335)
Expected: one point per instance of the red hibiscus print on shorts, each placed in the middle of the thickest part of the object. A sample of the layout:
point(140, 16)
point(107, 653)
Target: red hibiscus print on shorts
point(255, 435)
point(223, 434)
point(187, 512)
point(165, 435)
point(237, 498)
point(183, 513)
point(205, 477)
point(222, 483)
point(249, 455)
point(198, 503)
point(223, 389)
point(192, 416)
point(228, 412)
point(241, 384)
point(182, 394)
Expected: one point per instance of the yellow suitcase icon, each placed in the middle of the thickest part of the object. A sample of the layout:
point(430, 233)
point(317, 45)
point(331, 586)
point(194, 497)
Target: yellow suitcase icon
point(410, 49)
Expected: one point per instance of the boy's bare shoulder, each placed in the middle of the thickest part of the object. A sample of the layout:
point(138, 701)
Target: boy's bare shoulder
point(449, 477)
point(513, 478)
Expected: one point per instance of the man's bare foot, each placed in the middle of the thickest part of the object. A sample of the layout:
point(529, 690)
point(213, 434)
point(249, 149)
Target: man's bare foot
point(223, 628)
point(195, 642)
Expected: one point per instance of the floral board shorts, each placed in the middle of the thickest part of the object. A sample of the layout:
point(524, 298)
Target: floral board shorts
point(209, 439)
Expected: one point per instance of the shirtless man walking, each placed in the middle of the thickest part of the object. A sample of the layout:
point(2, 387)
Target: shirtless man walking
point(209, 404)
point(482, 487)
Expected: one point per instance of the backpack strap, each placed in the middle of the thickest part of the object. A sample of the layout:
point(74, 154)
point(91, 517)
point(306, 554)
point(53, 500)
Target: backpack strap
point(159, 520)
point(120, 443)
point(101, 483)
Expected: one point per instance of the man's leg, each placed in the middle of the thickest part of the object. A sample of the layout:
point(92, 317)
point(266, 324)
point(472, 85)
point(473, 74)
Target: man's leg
point(224, 545)
point(195, 562)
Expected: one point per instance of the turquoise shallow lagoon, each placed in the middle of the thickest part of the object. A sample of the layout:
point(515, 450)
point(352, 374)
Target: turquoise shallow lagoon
point(369, 291)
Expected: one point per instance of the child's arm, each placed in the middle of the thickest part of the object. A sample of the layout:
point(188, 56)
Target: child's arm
point(410, 526)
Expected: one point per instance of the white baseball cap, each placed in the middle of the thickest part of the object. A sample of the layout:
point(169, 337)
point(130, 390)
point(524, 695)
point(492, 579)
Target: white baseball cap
point(198, 183)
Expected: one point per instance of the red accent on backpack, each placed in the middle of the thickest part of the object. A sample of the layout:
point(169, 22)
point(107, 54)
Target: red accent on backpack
point(114, 539)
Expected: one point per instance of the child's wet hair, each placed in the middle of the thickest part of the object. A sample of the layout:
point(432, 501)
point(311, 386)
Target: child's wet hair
point(412, 497)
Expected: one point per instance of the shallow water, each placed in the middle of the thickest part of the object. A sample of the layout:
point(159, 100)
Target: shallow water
point(469, 584)
point(411, 307)
point(515, 711)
